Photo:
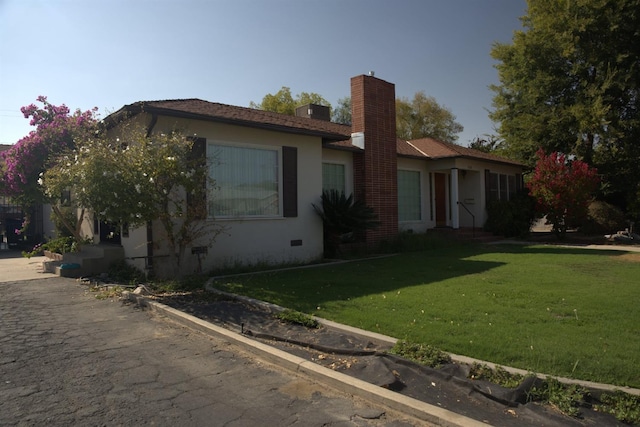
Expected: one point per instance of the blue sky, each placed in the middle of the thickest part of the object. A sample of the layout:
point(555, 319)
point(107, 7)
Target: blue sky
point(109, 53)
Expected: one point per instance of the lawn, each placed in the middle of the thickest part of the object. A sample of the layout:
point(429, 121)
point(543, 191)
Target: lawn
point(559, 311)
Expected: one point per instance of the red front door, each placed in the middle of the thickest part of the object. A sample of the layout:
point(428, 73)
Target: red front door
point(441, 200)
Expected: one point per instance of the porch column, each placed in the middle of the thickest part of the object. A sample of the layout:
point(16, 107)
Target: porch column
point(455, 208)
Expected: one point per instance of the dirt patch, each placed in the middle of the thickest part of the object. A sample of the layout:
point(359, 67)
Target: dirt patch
point(635, 257)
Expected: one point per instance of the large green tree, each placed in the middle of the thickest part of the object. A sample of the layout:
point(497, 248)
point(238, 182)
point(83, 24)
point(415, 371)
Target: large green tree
point(416, 118)
point(569, 82)
point(342, 112)
point(422, 117)
point(284, 103)
point(134, 179)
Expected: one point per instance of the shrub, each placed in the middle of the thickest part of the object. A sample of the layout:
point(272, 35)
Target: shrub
point(121, 272)
point(343, 218)
point(604, 218)
point(562, 189)
point(500, 376)
point(566, 398)
point(421, 353)
point(511, 218)
point(295, 317)
point(61, 245)
point(625, 407)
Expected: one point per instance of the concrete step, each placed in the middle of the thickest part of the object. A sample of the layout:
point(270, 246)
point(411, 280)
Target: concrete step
point(91, 260)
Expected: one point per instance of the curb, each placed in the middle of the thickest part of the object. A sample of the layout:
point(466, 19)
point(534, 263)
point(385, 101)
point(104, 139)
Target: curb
point(299, 366)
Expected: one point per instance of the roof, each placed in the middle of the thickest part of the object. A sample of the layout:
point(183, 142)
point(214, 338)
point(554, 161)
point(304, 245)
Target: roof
point(436, 149)
point(334, 135)
point(433, 149)
point(211, 111)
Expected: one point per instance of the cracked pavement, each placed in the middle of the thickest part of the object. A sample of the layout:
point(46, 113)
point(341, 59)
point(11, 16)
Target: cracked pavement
point(67, 358)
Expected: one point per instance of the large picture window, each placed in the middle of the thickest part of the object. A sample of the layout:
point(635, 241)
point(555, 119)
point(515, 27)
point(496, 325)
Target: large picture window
point(409, 196)
point(246, 181)
point(333, 177)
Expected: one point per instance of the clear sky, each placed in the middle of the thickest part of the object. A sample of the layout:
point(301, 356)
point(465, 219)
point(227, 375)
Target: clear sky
point(109, 53)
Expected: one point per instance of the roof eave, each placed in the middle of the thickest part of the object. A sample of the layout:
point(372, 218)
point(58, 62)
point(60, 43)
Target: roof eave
point(134, 109)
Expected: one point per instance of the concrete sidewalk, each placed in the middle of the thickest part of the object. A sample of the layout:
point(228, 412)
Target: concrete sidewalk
point(15, 267)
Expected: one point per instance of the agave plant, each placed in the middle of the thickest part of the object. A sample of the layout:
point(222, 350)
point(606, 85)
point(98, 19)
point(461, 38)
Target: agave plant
point(343, 217)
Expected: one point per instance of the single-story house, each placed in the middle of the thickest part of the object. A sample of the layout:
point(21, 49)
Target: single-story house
point(270, 168)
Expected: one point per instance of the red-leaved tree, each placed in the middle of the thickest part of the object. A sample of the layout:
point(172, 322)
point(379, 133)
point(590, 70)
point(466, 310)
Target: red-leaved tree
point(563, 189)
point(56, 130)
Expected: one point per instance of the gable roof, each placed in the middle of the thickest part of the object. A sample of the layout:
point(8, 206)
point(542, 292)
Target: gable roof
point(215, 112)
point(334, 135)
point(436, 149)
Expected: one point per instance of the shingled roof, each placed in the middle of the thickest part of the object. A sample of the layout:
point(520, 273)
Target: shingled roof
point(212, 111)
point(436, 149)
point(334, 135)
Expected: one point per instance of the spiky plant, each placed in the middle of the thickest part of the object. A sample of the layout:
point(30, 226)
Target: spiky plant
point(341, 216)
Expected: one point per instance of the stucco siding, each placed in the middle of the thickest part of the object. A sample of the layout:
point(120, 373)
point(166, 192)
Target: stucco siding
point(426, 198)
point(342, 158)
point(251, 240)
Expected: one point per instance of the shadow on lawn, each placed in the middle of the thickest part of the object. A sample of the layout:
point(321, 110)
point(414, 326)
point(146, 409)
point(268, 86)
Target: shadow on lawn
point(307, 288)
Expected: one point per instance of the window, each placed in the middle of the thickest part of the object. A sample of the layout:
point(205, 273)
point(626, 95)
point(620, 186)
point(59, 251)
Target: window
point(409, 200)
point(493, 186)
point(504, 188)
point(500, 186)
point(512, 186)
point(333, 177)
point(246, 181)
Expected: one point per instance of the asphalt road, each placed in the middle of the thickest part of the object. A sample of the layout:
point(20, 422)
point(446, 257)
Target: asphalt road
point(67, 358)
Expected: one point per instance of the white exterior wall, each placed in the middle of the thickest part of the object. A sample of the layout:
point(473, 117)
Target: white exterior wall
point(471, 185)
point(426, 198)
point(248, 241)
point(343, 158)
point(135, 248)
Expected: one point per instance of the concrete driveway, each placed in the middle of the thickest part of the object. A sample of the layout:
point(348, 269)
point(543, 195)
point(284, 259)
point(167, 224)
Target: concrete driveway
point(15, 267)
point(67, 358)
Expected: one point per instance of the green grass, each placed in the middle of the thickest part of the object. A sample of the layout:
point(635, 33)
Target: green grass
point(564, 312)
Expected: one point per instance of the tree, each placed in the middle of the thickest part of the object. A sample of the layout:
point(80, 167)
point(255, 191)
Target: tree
point(562, 189)
point(423, 117)
point(570, 82)
point(417, 118)
point(57, 130)
point(342, 113)
point(135, 179)
point(283, 102)
point(488, 144)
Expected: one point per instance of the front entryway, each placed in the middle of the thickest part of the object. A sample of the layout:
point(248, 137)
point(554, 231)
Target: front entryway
point(441, 199)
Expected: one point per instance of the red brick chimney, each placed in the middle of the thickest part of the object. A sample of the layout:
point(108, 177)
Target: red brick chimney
point(373, 114)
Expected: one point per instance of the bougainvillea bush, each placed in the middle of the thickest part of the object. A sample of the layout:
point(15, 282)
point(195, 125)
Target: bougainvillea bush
point(563, 189)
point(56, 131)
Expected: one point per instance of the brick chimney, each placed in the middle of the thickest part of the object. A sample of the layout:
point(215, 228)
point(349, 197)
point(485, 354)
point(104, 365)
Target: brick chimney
point(373, 118)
